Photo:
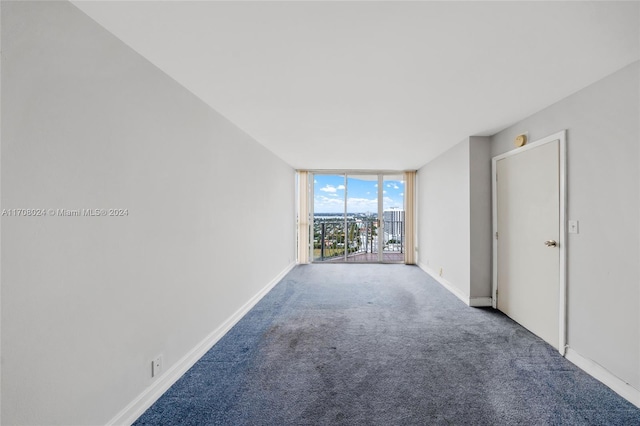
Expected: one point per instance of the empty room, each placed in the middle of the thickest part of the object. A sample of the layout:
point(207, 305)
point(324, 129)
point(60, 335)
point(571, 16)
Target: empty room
point(319, 212)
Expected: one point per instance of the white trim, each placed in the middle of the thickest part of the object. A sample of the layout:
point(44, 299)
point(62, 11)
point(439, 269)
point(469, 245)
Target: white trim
point(356, 172)
point(150, 395)
point(0, 234)
point(494, 229)
point(562, 299)
point(345, 241)
point(480, 302)
point(380, 236)
point(310, 196)
point(594, 369)
point(475, 302)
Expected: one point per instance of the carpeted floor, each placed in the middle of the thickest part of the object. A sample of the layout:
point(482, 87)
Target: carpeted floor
point(381, 345)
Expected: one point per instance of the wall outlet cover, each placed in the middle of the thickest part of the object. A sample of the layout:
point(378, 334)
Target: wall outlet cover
point(573, 227)
point(156, 366)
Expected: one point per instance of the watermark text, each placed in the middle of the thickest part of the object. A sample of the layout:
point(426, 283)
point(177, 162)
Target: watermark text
point(57, 212)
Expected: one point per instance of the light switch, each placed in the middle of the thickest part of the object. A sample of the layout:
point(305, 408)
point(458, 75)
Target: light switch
point(573, 226)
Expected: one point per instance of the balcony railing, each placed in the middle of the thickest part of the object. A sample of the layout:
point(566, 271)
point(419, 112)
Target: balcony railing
point(335, 239)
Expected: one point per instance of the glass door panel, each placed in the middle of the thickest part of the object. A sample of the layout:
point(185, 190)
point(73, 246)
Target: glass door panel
point(392, 240)
point(328, 217)
point(362, 218)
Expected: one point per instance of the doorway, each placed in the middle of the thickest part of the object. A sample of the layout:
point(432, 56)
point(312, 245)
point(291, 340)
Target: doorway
point(357, 217)
point(529, 237)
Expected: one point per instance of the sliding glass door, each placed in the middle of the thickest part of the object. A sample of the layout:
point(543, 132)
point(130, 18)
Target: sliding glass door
point(329, 222)
point(357, 218)
point(393, 220)
point(362, 216)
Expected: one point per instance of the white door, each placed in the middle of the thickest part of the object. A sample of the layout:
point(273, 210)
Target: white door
point(528, 203)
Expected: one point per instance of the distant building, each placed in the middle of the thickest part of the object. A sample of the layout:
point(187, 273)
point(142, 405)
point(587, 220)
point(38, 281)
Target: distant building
point(393, 224)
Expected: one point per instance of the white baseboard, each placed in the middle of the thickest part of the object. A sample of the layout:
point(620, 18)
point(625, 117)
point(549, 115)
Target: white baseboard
point(594, 369)
point(480, 302)
point(475, 302)
point(150, 395)
point(446, 284)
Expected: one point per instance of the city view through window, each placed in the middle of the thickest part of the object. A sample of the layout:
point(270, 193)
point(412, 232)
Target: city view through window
point(358, 218)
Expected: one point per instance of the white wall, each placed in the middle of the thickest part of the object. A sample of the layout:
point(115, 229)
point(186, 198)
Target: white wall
point(87, 302)
point(480, 216)
point(602, 123)
point(443, 217)
point(454, 219)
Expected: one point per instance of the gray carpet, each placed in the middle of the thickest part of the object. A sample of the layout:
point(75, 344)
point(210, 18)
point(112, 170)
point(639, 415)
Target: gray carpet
point(381, 345)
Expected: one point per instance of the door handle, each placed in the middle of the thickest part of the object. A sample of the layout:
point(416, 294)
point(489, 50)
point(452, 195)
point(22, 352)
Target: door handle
point(551, 243)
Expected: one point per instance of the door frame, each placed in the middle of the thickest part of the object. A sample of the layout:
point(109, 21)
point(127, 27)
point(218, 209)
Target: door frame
point(562, 297)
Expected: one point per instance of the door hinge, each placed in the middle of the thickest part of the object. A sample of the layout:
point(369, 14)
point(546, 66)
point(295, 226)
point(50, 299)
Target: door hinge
point(496, 235)
point(496, 294)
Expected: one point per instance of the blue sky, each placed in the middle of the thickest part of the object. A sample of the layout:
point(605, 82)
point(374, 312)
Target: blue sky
point(329, 192)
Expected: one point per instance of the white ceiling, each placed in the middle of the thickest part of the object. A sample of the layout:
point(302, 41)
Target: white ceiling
point(376, 85)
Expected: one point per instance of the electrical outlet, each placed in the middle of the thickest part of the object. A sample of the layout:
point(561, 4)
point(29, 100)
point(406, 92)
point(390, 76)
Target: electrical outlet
point(156, 366)
point(573, 226)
